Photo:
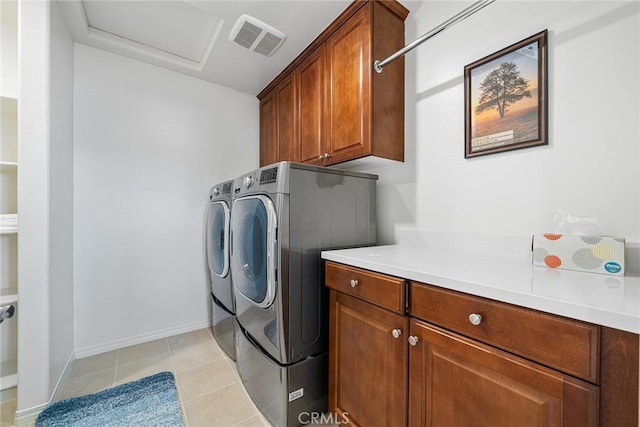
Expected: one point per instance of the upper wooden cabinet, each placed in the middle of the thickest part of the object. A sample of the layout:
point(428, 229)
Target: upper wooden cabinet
point(268, 130)
point(343, 109)
point(311, 101)
point(278, 139)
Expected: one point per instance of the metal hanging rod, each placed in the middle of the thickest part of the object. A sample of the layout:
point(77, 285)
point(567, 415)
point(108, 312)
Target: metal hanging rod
point(475, 7)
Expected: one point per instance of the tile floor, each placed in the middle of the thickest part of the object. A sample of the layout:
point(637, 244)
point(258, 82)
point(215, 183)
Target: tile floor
point(209, 387)
point(7, 407)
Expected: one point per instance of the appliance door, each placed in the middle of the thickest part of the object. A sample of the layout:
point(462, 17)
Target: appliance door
point(218, 226)
point(254, 247)
point(218, 238)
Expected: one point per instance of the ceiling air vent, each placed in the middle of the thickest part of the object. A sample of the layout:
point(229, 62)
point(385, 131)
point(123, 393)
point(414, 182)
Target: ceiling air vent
point(255, 35)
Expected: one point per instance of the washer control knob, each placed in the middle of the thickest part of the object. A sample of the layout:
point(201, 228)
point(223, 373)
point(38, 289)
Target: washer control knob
point(216, 191)
point(475, 319)
point(413, 340)
point(354, 283)
point(248, 181)
point(396, 332)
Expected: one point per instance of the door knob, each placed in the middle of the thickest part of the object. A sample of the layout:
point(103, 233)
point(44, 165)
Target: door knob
point(354, 283)
point(413, 340)
point(475, 319)
point(396, 333)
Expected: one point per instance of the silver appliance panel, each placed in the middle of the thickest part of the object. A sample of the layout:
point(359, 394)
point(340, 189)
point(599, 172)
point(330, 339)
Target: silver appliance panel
point(223, 328)
point(217, 236)
point(285, 395)
point(316, 209)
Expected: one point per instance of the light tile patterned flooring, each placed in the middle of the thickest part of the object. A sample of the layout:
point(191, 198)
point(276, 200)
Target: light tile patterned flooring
point(208, 383)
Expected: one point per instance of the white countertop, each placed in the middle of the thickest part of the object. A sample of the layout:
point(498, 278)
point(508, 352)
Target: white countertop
point(597, 298)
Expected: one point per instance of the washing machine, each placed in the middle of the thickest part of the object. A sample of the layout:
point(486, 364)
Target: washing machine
point(283, 216)
point(218, 257)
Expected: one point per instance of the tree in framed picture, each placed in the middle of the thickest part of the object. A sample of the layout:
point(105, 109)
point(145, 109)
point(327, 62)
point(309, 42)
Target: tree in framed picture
point(506, 99)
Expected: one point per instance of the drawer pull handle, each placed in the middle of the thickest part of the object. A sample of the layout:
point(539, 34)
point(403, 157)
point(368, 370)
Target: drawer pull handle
point(475, 319)
point(413, 340)
point(396, 333)
point(354, 283)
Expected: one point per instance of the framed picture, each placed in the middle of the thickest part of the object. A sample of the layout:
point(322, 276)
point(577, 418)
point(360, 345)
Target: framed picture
point(505, 97)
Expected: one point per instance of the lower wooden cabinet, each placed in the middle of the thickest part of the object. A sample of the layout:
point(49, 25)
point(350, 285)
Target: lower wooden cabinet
point(456, 381)
point(367, 363)
point(442, 358)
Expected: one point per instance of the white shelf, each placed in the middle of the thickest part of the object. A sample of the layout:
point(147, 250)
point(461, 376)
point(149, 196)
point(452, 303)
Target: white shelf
point(8, 223)
point(8, 374)
point(8, 295)
point(8, 164)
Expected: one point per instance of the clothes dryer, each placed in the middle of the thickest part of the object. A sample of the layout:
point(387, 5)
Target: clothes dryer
point(283, 216)
point(218, 256)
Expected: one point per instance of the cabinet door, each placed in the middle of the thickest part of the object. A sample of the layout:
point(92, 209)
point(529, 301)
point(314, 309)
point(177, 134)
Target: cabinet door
point(456, 381)
point(348, 118)
point(367, 364)
point(311, 108)
point(287, 120)
point(268, 130)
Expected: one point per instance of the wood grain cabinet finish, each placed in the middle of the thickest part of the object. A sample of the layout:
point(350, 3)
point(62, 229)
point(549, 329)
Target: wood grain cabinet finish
point(564, 344)
point(278, 112)
point(268, 130)
point(515, 367)
point(344, 109)
point(286, 118)
point(457, 381)
point(365, 110)
point(367, 363)
point(311, 101)
point(379, 289)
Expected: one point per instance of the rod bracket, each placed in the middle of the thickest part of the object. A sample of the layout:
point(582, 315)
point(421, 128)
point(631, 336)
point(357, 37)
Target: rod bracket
point(377, 66)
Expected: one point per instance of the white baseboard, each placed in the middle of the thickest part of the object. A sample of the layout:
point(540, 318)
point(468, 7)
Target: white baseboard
point(28, 417)
point(83, 352)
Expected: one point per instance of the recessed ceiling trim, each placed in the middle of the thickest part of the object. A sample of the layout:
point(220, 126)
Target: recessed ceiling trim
point(121, 43)
point(175, 32)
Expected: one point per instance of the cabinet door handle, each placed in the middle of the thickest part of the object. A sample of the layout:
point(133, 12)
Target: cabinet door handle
point(475, 319)
point(413, 340)
point(320, 157)
point(354, 283)
point(326, 155)
point(396, 332)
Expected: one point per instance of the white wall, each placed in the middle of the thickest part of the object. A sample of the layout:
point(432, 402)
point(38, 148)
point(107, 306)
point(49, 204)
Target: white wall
point(60, 196)
point(591, 165)
point(45, 203)
point(33, 238)
point(149, 143)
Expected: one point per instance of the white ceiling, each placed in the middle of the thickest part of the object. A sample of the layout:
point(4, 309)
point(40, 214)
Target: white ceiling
point(192, 36)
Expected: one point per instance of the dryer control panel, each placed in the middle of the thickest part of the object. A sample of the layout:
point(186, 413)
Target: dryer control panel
point(268, 175)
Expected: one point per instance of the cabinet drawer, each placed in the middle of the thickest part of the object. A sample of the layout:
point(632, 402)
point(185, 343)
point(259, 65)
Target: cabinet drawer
point(384, 291)
point(568, 345)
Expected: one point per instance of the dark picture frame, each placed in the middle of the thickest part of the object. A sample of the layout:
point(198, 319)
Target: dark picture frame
point(505, 96)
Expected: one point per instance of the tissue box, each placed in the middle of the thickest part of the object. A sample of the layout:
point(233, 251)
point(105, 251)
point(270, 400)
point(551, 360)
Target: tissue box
point(596, 254)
